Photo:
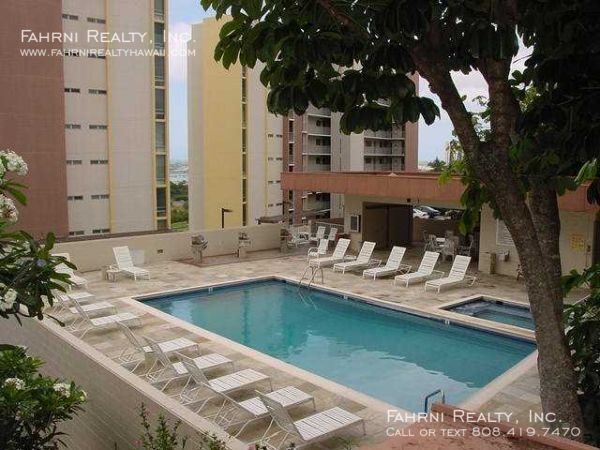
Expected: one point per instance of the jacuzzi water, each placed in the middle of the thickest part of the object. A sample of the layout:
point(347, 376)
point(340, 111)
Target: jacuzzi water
point(393, 356)
point(497, 311)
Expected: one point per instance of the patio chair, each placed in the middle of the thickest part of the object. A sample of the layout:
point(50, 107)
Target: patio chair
point(392, 266)
point(125, 263)
point(85, 323)
point(332, 234)
point(63, 300)
point(242, 379)
point(424, 272)
point(362, 260)
point(320, 234)
point(311, 429)
point(317, 252)
point(64, 269)
point(457, 275)
point(339, 255)
point(167, 371)
point(234, 413)
point(140, 352)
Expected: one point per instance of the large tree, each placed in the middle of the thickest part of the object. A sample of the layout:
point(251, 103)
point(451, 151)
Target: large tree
point(347, 55)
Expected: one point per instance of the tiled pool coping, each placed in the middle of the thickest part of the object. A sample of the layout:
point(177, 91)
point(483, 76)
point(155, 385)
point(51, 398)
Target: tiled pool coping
point(478, 398)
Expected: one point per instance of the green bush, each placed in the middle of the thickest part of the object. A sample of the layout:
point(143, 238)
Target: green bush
point(32, 405)
point(583, 333)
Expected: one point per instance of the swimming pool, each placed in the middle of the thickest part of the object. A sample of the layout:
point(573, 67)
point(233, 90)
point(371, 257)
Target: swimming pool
point(393, 356)
point(496, 311)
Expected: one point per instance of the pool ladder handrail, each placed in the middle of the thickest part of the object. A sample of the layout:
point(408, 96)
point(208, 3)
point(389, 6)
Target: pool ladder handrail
point(311, 279)
point(431, 395)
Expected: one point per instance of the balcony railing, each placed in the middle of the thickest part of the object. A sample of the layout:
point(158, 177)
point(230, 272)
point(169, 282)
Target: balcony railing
point(317, 150)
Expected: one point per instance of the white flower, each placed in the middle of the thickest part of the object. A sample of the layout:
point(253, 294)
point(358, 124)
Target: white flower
point(8, 210)
point(83, 395)
point(23, 309)
point(15, 383)
point(14, 162)
point(10, 297)
point(63, 389)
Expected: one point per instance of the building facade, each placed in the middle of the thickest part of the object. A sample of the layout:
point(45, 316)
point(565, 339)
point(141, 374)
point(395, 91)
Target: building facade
point(100, 160)
point(313, 142)
point(234, 144)
point(233, 137)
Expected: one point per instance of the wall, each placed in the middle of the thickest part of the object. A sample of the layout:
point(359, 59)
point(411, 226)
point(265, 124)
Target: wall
point(32, 115)
point(93, 254)
point(110, 418)
point(217, 104)
point(576, 243)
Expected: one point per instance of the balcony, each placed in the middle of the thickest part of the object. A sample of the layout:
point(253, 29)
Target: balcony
point(317, 150)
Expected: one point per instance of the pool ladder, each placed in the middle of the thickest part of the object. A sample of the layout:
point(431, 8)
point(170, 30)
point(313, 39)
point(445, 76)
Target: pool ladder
point(310, 277)
point(430, 396)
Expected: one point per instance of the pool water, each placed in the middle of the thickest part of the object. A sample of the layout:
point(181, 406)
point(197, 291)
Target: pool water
point(497, 311)
point(393, 356)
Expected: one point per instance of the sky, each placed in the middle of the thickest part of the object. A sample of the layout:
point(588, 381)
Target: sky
point(183, 13)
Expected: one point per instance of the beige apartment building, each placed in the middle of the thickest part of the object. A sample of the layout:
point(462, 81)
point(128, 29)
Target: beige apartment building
point(314, 142)
point(238, 150)
point(94, 126)
point(234, 143)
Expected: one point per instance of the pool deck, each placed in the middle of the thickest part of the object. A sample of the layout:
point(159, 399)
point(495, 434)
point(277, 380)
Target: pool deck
point(516, 392)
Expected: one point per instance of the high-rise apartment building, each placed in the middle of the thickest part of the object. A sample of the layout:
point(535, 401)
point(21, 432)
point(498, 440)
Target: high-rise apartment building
point(238, 150)
point(313, 142)
point(234, 149)
point(93, 126)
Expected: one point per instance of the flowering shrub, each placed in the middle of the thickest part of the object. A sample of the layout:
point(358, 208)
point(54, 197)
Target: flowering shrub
point(27, 270)
point(31, 405)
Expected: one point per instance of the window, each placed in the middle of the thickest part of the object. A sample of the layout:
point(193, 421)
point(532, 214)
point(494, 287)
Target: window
point(244, 190)
point(318, 161)
point(100, 196)
point(95, 20)
point(159, 70)
point(291, 126)
point(161, 169)
point(97, 91)
point(161, 202)
point(72, 90)
point(244, 140)
point(72, 126)
point(318, 141)
point(77, 233)
point(159, 9)
point(159, 103)
point(368, 160)
point(73, 198)
point(98, 127)
point(70, 17)
point(355, 223)
point(74, 162)
point(98, 161)
point(160, 136)
point(368, 144)
point(159, 35)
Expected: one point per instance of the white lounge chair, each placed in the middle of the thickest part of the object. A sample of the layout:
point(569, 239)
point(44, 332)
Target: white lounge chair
point(168, 371)
point(392, 266)
point(234, 413)
point(64, 269)
point(424, 272)
point(298, 237)
point(140, 352)
point(242, 379)
point(311, 429)
point(339, 255)
point(332, 234)
point(63, 300)
point(85, 323)
point(320, 234)
point(457, 275)
point(362, 260)
point(125, 263)
point(317, 252)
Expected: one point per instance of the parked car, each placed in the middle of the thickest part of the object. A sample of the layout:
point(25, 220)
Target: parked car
point(429, 210)
point(420, 214)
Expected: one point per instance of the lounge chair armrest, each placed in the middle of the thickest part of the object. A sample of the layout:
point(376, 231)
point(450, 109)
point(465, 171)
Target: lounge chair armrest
point(471, 279)
point(404, 268)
